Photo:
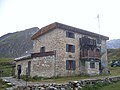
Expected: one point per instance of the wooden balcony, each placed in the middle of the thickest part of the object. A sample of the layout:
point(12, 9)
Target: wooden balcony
point(89, 54)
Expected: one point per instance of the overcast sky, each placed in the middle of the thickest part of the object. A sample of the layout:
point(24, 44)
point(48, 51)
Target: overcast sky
point(17, 15)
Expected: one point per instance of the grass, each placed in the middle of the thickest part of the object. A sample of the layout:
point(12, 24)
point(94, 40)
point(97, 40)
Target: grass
point(3, 85)
point(6, 60)
point(103, 86)
point(7, 71)
point(6, 68)
point(63, 79)
point(113, 86)
point(113, 54)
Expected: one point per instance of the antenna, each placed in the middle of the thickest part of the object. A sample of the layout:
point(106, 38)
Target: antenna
point(99, 40)
point(98, 23)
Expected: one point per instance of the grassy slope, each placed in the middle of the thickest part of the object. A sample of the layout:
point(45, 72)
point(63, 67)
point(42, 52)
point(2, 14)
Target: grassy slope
point(6, 59)
point(113, 54)
point(6, 71)
point(6, 68)
point(113, 86)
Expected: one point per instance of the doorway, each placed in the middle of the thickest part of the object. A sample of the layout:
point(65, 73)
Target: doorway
point(29, 67)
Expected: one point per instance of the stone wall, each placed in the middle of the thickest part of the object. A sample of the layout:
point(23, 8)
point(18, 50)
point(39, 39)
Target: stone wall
point(92, 71)
point(40, 66)
point(104, 61)
point(43, 66)
point(74, 85)
point(24, 65)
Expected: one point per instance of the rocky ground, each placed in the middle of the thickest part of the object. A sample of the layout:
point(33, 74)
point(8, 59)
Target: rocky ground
point(74, 85)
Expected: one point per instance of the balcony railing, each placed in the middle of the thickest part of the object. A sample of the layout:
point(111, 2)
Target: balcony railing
point(89, 54)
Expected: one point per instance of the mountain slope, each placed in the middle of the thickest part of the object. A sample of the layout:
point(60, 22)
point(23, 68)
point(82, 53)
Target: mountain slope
point(113, 44)
point(17, 44)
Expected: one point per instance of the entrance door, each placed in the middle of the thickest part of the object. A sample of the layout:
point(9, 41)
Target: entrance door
point(29, 67)
point(100, 68)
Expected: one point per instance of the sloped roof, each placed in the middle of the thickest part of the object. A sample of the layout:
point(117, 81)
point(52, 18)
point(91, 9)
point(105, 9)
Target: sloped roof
point(65, 27)
point(32, 55)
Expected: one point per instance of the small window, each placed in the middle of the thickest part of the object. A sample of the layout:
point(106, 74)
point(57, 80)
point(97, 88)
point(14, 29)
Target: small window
point(70, 65)
point(70, 48)
point(70, 34)
point(98, 49)
point(98, 41)
point(42, 49)
point(92, 64)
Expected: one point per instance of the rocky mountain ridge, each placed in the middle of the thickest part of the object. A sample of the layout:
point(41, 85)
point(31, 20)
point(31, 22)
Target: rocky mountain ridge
point(17, 44)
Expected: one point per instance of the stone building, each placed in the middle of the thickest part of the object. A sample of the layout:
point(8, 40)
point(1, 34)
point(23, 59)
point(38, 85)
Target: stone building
point(62, 50)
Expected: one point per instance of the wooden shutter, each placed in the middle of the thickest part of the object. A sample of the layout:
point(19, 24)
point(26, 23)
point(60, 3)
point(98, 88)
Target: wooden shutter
point(67, 34)
point(67, 47)
point(67, 64)
point(73, 35)
point(73, 48)
point(73, 65)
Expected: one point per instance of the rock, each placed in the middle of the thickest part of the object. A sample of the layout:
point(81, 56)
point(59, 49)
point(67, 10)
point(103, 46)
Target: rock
point(9, 83)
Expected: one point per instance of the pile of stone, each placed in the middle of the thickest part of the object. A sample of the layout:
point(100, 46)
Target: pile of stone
point(75, 85)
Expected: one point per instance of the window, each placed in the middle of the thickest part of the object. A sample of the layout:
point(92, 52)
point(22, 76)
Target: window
point(70, 65)
point(70, 48)
point(92, 64)
point(42, 49)
point(70, 34)
point(98, 49)
point(98, 41)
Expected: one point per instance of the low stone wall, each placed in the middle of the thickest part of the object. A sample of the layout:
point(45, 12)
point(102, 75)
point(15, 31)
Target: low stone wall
point(75, 85)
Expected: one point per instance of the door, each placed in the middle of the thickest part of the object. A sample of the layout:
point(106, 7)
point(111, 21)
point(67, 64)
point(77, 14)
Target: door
point(100, 68)
point(29, 68)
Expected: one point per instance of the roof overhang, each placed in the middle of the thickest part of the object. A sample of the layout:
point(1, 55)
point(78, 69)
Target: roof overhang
point(66, 27)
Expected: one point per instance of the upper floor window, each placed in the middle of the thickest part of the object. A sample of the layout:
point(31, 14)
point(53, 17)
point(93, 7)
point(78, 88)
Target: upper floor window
point(98, 41)
point(98, 49)
point(70, 34)
point(70, 65)
point(42, 49)
point(70, 48)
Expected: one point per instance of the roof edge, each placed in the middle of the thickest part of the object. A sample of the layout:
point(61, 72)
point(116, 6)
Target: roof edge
point(66, 27)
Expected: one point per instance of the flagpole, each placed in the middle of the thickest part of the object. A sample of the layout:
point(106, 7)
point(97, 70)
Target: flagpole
point(100, 65)
point(98, 23)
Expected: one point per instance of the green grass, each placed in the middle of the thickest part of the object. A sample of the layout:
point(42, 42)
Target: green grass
point(63, 79)
point(113, 54)
point(113, 86)
point(6, 68)
point(103, 86)
point(6, 59)
point(3, 85)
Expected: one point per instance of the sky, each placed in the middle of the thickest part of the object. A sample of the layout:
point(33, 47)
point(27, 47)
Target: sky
point(18, 15)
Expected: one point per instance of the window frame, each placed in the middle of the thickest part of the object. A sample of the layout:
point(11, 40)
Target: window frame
point(70, 48)
point(92, 65)
point(70, 64)
point(70, 34)
point(99, 41)
point(42, 49)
